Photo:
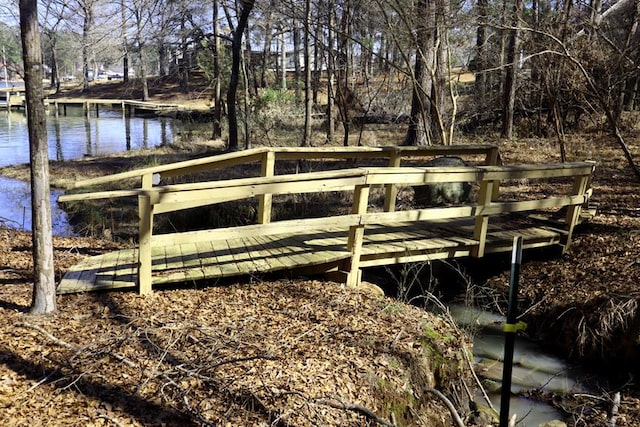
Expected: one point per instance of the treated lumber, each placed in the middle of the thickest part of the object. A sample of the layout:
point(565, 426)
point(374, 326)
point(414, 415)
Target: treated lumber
point(348, 242)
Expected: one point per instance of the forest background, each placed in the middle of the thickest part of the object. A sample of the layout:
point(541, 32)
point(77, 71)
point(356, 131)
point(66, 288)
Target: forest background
point(441, 67)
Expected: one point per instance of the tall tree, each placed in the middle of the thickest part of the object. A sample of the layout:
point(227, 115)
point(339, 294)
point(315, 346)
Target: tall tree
point(44, 287)
point(344, 94)
point(217, 75)
point(86, 8)
point(481, 58)
point(308, 98)
point(419, 131)
point(330, 5)
point(236, 57)
point(125, 43)
point(509, 94)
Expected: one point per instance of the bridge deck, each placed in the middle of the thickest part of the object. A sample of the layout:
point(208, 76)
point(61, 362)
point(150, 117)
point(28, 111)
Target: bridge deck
point(324, 250)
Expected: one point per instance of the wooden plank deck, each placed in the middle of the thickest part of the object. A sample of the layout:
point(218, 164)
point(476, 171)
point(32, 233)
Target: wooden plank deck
point(325, 250)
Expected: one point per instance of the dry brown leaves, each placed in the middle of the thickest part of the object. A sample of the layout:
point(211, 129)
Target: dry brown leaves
point(246, 354)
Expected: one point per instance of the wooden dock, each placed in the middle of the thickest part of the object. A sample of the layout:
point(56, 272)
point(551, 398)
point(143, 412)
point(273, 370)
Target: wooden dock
point(340, 245)
point(14, 98)
point(127, 106)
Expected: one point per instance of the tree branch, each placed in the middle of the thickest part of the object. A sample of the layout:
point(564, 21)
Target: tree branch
point(338, 404)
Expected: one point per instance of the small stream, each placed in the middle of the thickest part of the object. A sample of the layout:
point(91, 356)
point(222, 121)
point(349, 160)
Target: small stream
point(533, 368)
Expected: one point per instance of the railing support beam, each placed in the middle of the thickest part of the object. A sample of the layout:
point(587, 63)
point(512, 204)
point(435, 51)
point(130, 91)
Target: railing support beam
point(391, 190)
point(266, 200)
point(356, 235)
point(485, 196)
point(145, 213)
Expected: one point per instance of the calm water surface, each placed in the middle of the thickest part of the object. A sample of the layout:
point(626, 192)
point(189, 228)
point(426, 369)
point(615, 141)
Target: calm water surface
point(70, 136)
point(75, 135)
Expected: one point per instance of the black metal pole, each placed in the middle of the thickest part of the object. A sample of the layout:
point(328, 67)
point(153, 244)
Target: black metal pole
point(510, 329)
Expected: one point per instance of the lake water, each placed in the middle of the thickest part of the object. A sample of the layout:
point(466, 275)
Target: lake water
point(75, 135)
point(70, 136)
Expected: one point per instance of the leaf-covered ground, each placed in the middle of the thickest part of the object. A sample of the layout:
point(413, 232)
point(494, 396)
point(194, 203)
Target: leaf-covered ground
point(289, 353)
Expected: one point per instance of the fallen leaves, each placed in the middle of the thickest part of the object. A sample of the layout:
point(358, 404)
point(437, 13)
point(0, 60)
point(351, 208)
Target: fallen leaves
point(242, 354)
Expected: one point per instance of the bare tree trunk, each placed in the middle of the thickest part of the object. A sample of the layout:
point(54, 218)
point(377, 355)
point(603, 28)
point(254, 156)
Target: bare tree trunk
point(217, 89)
point(125, 47)
point(419, 129)
point(283, 62)
point(86, 28)
point(183, 64)
point(44, 286)
point(510, 83)
point(308, 98)
point(142, 69)
point(502, 51)
point(481, 60)
point(627, 86)
point(343, 70)
point(441, 101)
point(245, 100)
point(236, 56)
point(55, 72)
point(296, 62)
point(317, 58)
point(266, 47)
point(331, 125)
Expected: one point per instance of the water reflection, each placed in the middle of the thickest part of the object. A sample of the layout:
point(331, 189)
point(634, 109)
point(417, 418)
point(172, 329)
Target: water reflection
point(15, 208)
point(77, 134)
point(72, 134)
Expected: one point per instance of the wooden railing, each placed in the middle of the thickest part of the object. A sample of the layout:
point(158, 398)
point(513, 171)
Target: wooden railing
point(157, 199)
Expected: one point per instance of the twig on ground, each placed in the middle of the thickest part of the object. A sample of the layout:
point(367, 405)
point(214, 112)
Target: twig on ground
point(338, 404)
point(449, 405)
point(38, 384)
point(46, 334)
point(615, 407)
point(68, 346)
point(102, 414)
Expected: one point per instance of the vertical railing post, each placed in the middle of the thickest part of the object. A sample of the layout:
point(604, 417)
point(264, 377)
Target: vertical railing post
point(265, 200)
point(356, 234)
point(580, 184)
point(391, 190)
point(485, 196)
point(493, 159)
point(145, 213)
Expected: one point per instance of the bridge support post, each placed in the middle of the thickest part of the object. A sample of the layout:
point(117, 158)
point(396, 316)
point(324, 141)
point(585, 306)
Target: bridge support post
point(356, 235)
point(580, 185)
point(145, 213)
point(391, 190)
point(485, 196)
point(493, 159)
point(265, 201)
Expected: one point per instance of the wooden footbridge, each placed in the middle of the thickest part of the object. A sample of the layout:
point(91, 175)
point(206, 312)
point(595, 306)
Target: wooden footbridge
point(375, 228)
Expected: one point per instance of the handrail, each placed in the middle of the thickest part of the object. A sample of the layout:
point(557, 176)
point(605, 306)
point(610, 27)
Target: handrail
point(295, 153)
point(374, 176)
